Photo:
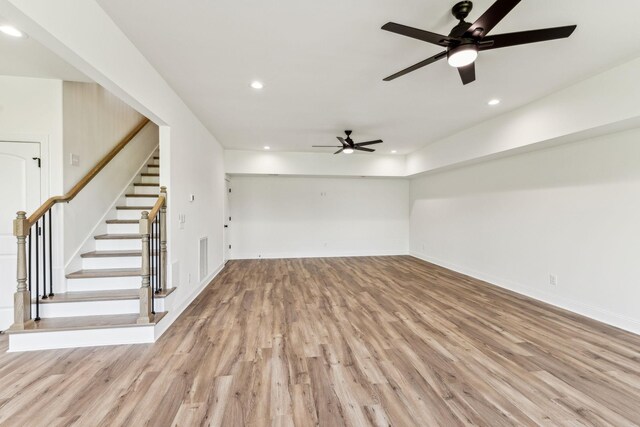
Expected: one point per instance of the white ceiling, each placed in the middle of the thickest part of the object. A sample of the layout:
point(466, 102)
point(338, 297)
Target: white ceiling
point(26, 57)
point(323, 62)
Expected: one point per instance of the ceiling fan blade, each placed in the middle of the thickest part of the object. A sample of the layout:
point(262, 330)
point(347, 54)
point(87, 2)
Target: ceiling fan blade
point(525, 37)
point(415, 33)
point(361, 144)
point(421, 64)
point(327, 146)
point(460, 29)
point(369, 150)
point(491, 17)
point(339, 151)
point(468, 73)
point(341, 139)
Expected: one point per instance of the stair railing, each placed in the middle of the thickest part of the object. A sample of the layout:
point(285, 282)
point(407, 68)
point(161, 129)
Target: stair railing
point(153, 233)
point(35, 248)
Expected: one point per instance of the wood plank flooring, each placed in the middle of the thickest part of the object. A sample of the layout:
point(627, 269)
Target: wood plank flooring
point(340, 341)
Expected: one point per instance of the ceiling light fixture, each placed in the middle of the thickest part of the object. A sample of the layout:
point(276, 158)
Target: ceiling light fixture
point(11, 31)
point(463, 55)
point(393, 151)
point(493, 102)
point(266, 147)
point(347, 150)
point(256, 84)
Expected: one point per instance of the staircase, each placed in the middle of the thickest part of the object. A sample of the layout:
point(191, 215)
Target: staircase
point(102, 302)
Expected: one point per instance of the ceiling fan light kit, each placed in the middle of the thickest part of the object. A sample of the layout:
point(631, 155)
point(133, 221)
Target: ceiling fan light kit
point(463, 55)
point(466, 40)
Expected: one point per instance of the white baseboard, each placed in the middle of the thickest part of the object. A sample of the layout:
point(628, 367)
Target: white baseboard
point(175, 312)
point(595, 313)
point(286, 255)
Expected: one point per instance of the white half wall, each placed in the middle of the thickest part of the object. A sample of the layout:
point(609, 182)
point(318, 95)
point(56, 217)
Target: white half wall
point(569, 211)
point(289, 217)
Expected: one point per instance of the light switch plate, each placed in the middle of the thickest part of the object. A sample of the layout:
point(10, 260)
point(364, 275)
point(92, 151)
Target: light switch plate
point(74, 160)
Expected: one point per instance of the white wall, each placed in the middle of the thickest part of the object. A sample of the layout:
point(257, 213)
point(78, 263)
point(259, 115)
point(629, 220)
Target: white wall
point(192, 159)
point(570, 211)
point(94, 121)
point(30, 110)
point(276, 217)
point(318, 164)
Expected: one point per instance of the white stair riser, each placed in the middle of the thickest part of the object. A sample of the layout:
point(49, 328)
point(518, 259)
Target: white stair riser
point(144, 189)
point(118, 244)
point(150, 179)
point(141, 201)
point(111, 262)
point(130, 214)
point(153, 168)
point(123, 228)
point(94, 308)
point(103, 283)
point(81, 338)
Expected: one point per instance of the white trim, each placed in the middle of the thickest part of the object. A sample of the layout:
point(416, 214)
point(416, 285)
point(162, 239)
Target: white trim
point(594, 313)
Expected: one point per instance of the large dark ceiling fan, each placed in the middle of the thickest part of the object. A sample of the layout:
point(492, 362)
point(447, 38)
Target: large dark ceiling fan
point(348, 146)
point(465, 40)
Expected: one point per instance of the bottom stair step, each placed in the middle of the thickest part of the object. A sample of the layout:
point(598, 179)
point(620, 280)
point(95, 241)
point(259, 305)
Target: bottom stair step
point(91, 303)
point(85, 331)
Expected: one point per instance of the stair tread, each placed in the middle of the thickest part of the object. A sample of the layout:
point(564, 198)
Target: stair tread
point(122, 221)
point(104, 272)
point(133, 208)
point(142, 195)
point(117, 236)
point(150, 174)
point(86, 322)
point(107, 254)
point(146, 184)
point(86, 296)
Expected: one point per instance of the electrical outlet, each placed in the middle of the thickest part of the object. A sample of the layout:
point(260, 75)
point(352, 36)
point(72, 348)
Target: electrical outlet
point(553, 280)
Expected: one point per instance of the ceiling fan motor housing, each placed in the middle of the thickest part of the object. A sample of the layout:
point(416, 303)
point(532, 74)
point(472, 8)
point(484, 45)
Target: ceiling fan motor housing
point(462, 9)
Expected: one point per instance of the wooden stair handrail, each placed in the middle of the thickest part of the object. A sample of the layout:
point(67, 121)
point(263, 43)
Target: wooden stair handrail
point(156, 208)
point(71, 194)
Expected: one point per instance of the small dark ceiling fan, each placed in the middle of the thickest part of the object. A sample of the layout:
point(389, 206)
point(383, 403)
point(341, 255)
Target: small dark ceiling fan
point(465, 40)
point(348, 146)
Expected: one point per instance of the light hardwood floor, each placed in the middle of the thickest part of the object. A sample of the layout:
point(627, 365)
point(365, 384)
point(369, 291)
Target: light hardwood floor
point(342, 341)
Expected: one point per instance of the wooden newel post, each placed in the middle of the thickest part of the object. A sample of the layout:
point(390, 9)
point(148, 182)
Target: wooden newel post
point(22, 297)
point(163, 239)
point(146, 316)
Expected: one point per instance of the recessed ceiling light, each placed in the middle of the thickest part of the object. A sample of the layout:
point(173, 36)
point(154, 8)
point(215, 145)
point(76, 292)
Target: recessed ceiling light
point(11, 31)
point(494, 102)
point(256, 84)
point(347, 150)
point(266, 147)
point(394, 151)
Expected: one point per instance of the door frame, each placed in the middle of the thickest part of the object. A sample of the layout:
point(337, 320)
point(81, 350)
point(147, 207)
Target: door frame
point(226, 231)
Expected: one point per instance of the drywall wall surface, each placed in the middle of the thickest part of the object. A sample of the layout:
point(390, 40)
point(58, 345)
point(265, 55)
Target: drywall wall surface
point(313, 164)
point(288, 217)
point(600, 101)
point(567, 214)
